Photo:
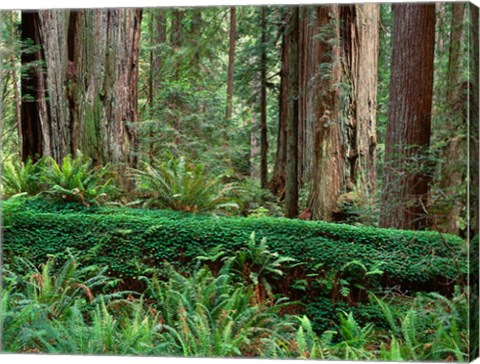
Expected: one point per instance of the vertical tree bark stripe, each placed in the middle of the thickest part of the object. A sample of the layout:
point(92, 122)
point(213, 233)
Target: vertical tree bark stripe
point(409, 116)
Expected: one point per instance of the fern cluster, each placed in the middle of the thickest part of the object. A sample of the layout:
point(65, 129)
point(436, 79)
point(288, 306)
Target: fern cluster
point(178, 185)
point(75, 179)
point(74, 309)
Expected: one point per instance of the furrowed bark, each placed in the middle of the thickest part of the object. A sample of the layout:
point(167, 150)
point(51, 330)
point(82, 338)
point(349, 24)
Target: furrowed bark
point(408, 131)
point(291, 187)
point(452, 172)
point(86, 94)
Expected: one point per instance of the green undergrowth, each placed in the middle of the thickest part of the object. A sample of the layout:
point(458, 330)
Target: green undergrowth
point(129, 241)
point(74, 309)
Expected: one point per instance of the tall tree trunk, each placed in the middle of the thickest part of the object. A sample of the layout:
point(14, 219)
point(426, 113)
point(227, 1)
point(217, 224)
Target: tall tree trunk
point(107, 89)
point(16, 94)
point(336, 125)
point(473, 178)
point(231, 63)
point(328, 160)
point(455, 56)
point(263, 102)
point(254, 150)
point(440, 10)
point(196, 37)
point(306, 74)
point(150, 88)
point(53, 34)
point(34, 129)
point(86, 96)
point(277, 183)
point(474, 128)
point(159, 42)
point(406, 186)
point(176, 38)
point(451, 174)
point(359, 41)
point(291, 187)
point(345, 108)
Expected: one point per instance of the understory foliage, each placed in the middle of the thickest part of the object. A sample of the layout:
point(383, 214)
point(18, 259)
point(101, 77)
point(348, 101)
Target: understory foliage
point(350, 257)
point(179, 185)
point(19, 177)
point(73, 308)
point(255, 263)
point(75, 179)
point(433, 328)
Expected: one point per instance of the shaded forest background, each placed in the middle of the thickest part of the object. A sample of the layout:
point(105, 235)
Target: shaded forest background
point(347, 113)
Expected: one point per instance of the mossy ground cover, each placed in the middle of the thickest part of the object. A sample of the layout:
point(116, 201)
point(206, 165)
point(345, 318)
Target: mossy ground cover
point(336, 268)
point(127, 240)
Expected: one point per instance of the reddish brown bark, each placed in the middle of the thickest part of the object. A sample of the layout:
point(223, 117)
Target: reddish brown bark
point(277, 183)
point(409, 116)
point(328, 160)
point(291, 168)
point(337, 51)
point(32, 82)
point(86, 94)
point(344, 108)
point(452, 172)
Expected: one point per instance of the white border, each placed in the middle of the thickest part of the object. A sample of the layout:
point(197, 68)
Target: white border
point(49, 4)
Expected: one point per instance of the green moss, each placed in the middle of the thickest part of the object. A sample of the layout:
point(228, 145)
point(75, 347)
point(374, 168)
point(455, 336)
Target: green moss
point(127, 239)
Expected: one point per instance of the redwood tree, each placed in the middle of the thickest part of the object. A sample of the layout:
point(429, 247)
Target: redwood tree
point(86, 92)
point(328, 159)
point(277, 182)
point(452, 172)
point(34, 132)
point(158, 40)
point(291, 168)
point(344, 108)
point(406, 183)
point(336, 64)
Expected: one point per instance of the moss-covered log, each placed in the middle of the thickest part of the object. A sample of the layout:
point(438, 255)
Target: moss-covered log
point(128, 240)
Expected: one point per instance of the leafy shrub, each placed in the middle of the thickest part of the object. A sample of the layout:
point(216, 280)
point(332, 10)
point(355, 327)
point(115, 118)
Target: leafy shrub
point(31, 297)
point(324, 313)
point(260, 266)
point(254, 263)
point(207, 315)
point(70, 310)
point(200, 315)
point(19, 177)
point(178, 185)
point(433, 328)
point(76, 180)
point(255, 201)
point(349, 341)
point(73, 180)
